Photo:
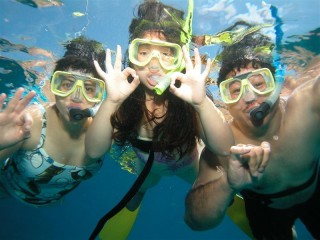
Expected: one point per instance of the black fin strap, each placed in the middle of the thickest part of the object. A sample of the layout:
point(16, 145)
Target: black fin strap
point(124, 201)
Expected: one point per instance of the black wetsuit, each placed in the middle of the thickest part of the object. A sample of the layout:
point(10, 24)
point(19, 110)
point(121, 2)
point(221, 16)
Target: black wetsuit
point(270, 223)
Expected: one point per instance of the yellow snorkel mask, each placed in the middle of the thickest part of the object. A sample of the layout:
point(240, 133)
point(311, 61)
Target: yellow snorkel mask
point(260, 81)
point(175, 56)
point(65, 83)
point(141, 51)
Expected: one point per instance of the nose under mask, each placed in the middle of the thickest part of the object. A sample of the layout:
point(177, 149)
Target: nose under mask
point(154, 66)
point(248, 95)
point(77, 95)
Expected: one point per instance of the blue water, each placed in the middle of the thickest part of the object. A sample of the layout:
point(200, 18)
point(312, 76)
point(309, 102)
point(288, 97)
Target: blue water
point(30, 42)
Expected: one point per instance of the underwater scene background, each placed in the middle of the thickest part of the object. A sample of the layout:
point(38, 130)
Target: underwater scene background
point(31, 36)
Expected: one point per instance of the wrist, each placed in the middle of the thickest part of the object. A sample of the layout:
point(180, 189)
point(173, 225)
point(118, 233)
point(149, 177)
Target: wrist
point(202, 106)
point(111, 105)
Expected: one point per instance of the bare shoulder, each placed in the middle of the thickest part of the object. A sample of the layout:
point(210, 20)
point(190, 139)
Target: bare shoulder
point(307, 95)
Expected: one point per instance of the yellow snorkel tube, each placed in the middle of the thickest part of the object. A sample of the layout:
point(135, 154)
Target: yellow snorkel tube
point(185, 37)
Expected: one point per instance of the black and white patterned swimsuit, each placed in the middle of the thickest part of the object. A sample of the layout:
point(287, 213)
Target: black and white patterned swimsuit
point(33, 177)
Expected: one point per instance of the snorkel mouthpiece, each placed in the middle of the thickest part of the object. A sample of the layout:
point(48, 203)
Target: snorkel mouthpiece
point(163, 83)
point(78, 114)
point(258, 114)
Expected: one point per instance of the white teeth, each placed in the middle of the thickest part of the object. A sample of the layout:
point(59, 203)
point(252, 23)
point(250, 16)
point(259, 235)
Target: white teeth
point(156, 78)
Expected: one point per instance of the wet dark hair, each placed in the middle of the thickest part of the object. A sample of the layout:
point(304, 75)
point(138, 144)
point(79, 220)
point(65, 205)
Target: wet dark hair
point(79, 55)
point(179, 130)
point(240, 54)
point(154, 15)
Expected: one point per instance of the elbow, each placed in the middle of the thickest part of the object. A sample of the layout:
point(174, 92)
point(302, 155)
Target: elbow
point(203, 223)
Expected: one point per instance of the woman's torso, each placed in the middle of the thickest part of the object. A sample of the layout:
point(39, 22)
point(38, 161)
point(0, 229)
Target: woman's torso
point(35, 177)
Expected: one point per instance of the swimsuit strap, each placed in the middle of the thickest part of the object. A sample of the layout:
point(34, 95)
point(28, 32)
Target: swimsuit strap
point(142, 145)
point(145, 145)
point(266, 198)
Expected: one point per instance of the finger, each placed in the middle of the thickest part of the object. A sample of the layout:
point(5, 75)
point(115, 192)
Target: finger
point(265, 145)
point(15, 100)
point(207, 69)
point(240, 149)
point(136, 81)
point(176, 76)
point(129, 71)
point(27, 122)
point(266, 156)
point(25, 101)
point(197, 60)
point(255, 158)
point(109, 66)
point(187, 59)
point(2, 98)
point(241, 145)
point(118, 62)
point(99, 70)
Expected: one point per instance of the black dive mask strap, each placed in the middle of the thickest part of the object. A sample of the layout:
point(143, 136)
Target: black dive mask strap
point(124, 201)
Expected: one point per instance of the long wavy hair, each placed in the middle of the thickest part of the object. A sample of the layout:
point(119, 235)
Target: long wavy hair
point(178, 130)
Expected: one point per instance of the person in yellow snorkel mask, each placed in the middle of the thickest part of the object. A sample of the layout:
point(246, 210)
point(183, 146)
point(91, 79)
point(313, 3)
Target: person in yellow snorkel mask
point(171, 124)
point(42, 146)
point(275, 162)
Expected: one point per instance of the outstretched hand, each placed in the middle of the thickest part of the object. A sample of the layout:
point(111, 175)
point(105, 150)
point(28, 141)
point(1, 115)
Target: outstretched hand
point(192, 88)
point(15, 124)
point(118, 87)
point(247, 164)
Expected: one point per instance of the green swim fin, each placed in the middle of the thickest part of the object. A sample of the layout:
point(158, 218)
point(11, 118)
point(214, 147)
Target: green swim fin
point(120, 225)
point(238, 215)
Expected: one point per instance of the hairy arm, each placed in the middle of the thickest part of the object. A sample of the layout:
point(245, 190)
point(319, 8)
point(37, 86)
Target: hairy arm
point(207, 202)
point(220, 179)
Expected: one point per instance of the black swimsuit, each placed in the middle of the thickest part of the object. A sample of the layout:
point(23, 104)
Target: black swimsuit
point(266, 198)
point(270, 223)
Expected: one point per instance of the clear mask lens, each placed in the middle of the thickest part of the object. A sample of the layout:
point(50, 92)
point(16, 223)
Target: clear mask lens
point(142, 51)
point(259, 81)
point(64, 83)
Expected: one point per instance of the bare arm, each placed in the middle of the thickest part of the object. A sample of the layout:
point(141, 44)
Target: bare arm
point(216, 185)
point(99, 136)
point(207, 202)
point(216, 132)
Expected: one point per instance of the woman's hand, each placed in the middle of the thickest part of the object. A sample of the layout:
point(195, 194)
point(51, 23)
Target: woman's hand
point(15, 124)
point(192, 88)
point(117, 85)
